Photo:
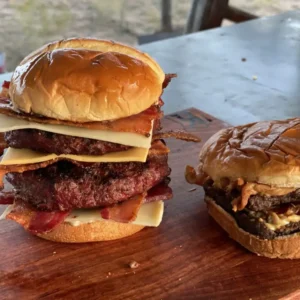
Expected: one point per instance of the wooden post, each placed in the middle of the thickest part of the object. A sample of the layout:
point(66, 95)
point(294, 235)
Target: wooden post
point(166, 18)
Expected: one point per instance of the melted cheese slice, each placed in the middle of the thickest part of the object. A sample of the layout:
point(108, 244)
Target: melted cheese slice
point(14, 156)
point(283, 220)
point(150, 214)
point(125, 138)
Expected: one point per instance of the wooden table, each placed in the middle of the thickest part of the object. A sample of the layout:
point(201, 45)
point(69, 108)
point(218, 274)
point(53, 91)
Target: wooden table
point(214, 78)
point(187, 257)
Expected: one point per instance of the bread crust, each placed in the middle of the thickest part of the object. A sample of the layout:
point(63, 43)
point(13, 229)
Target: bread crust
point(264, 152)
point(91, 232)
point(285, 247)
point(86, 80)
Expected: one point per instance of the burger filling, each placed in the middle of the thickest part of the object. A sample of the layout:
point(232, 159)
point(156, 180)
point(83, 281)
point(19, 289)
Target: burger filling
point(68, 185)
point(60, 177)
point(51, 192)
point(49, 142)
point(267, 216)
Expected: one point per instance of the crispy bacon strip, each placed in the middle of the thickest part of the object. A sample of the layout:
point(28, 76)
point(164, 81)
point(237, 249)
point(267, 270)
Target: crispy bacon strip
point(193, 178)
point(35, 221)
point(124, 212)
point(159, 192)
point(4, 92)
point(181, 135)
point(6, 84)
point(127, 211)
point(7, 197)
point(140, 123)
point(168, 78)
point(45, 221)
point(249, 189)
point(158, 148)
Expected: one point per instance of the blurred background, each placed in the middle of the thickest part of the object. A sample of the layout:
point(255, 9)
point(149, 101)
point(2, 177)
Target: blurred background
point(28, 24)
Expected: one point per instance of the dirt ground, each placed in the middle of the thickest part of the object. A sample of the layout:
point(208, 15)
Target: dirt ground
point(28, 24)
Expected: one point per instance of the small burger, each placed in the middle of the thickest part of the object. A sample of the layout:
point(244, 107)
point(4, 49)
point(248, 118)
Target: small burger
point(84, 158)
point(251, 178)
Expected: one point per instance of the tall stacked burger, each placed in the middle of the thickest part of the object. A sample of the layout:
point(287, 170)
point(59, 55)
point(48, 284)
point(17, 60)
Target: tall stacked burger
point(84, 158)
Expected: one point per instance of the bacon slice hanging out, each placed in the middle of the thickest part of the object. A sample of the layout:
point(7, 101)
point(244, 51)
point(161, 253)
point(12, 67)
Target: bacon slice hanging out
point(7, 197)
point(6, 84)
point(159, 192)
point(124, 212)
point(35, 221)
point(168, 78)
point(127, 211)
point(44, 221)
point(158, 148)
point(181, 135)
point(193, 178)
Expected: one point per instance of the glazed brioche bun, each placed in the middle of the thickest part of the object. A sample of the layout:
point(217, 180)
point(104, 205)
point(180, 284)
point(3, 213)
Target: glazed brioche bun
point(287, 246)
point(86, 80)
point(263, 152)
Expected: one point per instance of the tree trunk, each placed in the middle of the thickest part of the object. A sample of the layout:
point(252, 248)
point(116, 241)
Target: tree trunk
point(166, 17)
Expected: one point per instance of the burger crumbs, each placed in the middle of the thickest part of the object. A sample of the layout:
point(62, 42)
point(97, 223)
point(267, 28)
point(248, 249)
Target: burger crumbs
point(254, 77)
point(244, 59)
point(192, 190)
point(134, 265)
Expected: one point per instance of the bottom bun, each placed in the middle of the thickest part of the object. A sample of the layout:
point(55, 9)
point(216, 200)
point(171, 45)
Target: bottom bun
point(287, 246)
point(92, 232)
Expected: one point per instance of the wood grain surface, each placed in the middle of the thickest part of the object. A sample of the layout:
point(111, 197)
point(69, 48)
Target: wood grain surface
point(187, 257)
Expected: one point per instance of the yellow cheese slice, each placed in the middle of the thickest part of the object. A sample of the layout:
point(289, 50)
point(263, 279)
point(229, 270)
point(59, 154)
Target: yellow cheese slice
point(14, 156)
point(150, 214)
point(125, 138)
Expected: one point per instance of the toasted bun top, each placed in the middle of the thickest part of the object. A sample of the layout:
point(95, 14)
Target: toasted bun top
point(83, 80)
point(264, 152)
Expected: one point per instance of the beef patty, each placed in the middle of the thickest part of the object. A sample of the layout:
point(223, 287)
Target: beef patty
point(67, 185)
point(263, 202)
point(49, 142)
point(252, 220)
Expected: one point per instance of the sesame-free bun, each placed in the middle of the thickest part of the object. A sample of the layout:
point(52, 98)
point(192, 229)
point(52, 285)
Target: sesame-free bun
point(264, 152)
point(85, 80)
point(287, 246)
point(91, 232)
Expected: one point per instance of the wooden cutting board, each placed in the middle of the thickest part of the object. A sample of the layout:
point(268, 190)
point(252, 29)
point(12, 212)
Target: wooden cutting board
point(187, 257)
